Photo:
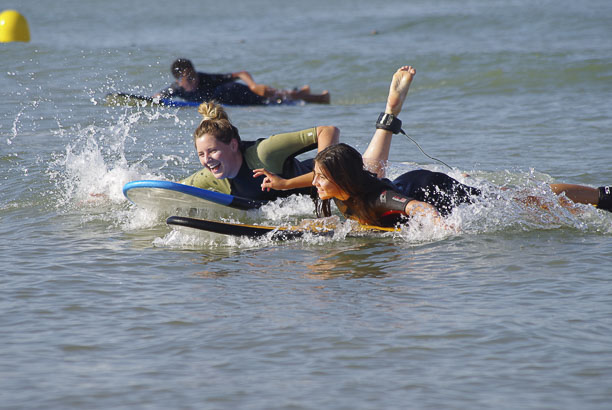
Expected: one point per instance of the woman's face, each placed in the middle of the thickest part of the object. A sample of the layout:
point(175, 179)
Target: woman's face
point(326, 188)
point(223, 160)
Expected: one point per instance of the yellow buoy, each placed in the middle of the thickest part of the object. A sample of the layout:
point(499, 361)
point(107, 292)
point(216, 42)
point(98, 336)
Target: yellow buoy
point(13, 27)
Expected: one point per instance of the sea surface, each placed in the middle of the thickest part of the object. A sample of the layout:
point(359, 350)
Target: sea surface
point(105, 306)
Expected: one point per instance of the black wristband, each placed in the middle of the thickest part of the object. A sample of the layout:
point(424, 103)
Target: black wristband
point(389, 122)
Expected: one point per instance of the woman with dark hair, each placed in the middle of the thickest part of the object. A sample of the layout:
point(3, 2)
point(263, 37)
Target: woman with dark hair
point(339, 174)
point(357, 183)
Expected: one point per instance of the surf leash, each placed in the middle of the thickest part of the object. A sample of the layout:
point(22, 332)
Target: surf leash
point(391, 123)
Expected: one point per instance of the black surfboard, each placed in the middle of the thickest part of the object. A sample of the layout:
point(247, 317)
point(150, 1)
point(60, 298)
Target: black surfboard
point(254, 231)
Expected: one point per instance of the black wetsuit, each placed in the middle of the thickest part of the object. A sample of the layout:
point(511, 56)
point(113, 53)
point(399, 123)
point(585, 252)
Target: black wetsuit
point(434, 188)
point(245, 186)
point(221, 88)
point(277, 154)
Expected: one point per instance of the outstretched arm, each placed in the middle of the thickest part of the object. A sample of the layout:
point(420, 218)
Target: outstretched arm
point(423, 209)
point(327, 135)
point(245, 76)
point(260, 89)
point(273, 181)
point(376, 155)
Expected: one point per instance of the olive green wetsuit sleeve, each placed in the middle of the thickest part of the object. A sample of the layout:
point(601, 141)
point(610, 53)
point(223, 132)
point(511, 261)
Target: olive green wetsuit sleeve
point(272, 152)
point(206, 180)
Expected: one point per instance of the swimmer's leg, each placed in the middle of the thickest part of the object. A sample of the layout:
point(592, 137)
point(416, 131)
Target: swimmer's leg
point(376, 155)
point(323, 98)
point(577, 193)
point(304, 94)
point(600, 197)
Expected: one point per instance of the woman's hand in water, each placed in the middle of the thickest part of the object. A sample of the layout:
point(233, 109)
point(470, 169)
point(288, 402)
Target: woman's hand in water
point(271, 181)
point(416, 208)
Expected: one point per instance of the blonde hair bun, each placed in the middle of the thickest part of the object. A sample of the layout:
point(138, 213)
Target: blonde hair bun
point(212, 111)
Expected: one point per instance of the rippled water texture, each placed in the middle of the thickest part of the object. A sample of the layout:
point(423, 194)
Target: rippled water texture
point(105, 306)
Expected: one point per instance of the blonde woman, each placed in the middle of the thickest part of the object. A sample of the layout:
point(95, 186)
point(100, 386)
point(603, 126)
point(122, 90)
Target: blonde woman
point(229, 162)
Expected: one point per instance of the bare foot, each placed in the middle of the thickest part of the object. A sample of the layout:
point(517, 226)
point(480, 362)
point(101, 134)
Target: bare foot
point(324, 98)
point(399, 88)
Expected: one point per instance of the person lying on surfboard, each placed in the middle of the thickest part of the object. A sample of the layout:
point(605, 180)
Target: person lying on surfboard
point(229, 162)
point(195, 86)
point(356, 183)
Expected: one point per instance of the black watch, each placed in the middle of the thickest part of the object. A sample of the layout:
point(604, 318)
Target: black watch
point(389, 122)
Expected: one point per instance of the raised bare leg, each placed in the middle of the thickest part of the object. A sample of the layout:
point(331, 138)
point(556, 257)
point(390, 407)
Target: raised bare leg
point(376, 155)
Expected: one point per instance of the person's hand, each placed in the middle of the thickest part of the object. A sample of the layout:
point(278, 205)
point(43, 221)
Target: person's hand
point(423, 209)
point(271, 181)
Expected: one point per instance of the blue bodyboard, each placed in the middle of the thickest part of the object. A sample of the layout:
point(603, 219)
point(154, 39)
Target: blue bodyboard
point(172, 195)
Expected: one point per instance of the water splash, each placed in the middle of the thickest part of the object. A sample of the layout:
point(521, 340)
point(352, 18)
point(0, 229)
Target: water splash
point(505, 206)
point(90, 174)
point(92, 171)
point(17, 120)
point(93, 168)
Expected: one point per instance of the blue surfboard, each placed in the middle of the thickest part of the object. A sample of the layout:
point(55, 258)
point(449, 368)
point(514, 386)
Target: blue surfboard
point(172, 195)
point(132, 99)
point(115, 99)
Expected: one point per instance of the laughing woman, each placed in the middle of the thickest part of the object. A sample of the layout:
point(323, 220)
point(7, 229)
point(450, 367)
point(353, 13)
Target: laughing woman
point(229, 161)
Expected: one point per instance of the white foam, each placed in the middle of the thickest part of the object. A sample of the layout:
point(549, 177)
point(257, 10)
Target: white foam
point(93, 170)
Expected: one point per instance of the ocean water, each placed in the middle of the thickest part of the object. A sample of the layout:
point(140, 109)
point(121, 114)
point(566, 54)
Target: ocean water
point(105, 306)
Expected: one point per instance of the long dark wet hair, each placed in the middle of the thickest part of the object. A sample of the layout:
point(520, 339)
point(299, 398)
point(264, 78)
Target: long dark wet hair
point(343, 165)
